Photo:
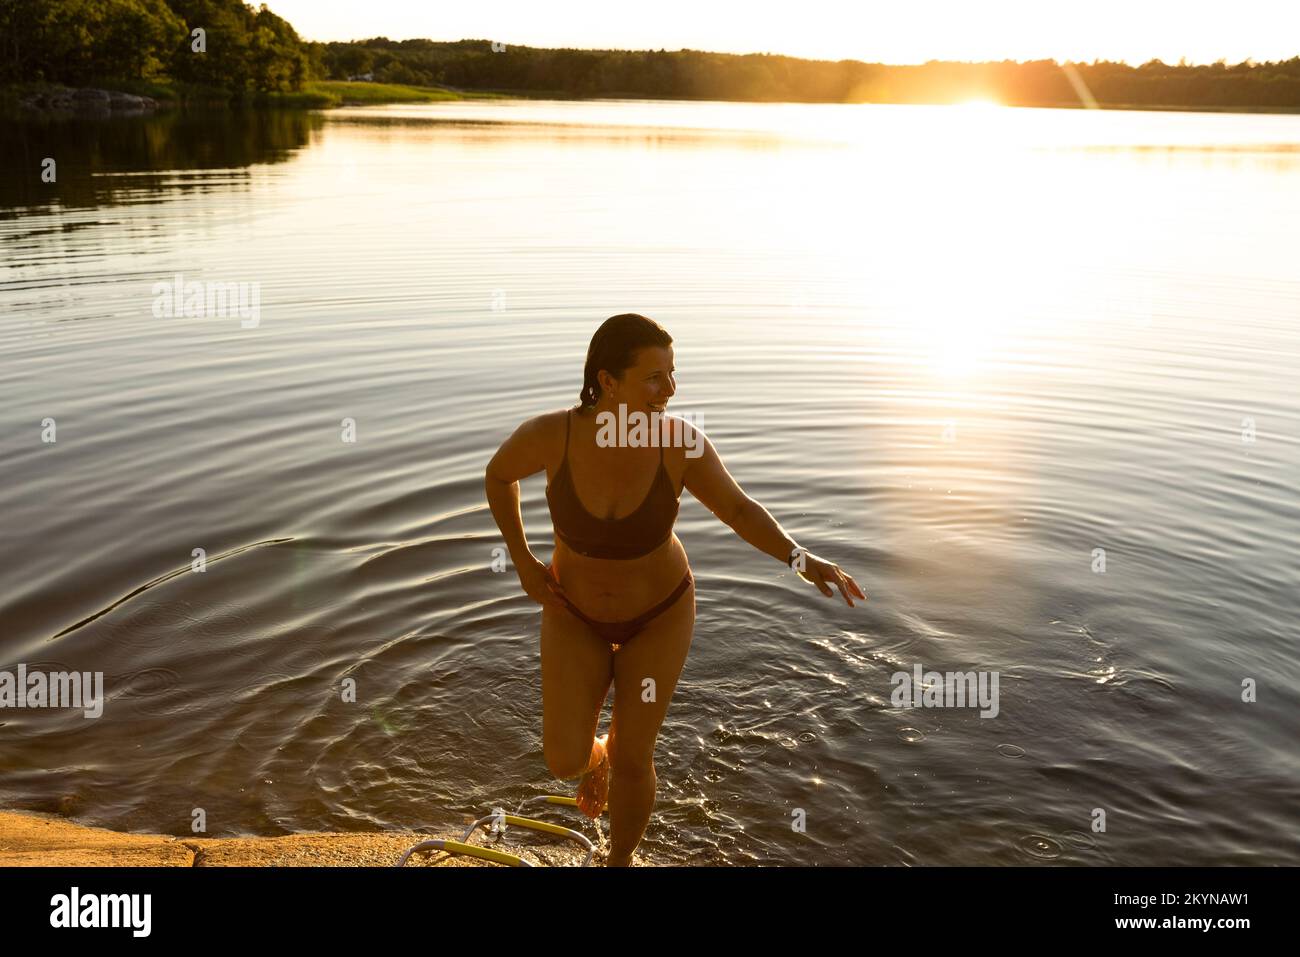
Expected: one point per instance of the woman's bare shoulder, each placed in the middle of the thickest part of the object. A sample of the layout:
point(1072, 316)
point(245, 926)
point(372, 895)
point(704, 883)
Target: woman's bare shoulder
point(685, 443)
point(545, 428)
point(534, 445)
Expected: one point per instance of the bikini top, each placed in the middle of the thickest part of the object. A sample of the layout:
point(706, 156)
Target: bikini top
point(631, 536)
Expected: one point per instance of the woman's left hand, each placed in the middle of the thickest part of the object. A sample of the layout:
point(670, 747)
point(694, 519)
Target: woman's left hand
point(826, 574)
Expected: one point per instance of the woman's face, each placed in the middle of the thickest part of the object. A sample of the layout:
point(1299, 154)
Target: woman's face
point(647, 386)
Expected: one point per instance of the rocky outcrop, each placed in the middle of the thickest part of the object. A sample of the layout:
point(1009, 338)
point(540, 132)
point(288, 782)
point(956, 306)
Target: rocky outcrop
point(88, 100)
point(32, 839)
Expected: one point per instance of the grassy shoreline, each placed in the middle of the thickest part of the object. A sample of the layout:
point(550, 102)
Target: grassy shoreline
point(328, 93)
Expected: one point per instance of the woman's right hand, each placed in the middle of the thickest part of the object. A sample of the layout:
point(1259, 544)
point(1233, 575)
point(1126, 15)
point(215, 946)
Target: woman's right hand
point(539, 583)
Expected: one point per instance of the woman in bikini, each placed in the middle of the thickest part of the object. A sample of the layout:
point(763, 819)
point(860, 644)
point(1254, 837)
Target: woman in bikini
point(618, 599)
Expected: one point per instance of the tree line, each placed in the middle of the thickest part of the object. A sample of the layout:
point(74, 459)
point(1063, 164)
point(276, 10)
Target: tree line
point(248, 51)
point(86, 42)
point(697, 74)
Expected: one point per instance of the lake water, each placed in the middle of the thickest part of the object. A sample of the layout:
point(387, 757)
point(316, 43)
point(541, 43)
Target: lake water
point(958, 350)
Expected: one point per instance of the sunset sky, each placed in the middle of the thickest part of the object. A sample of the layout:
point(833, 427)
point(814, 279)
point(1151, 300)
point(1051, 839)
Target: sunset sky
point(900, 31)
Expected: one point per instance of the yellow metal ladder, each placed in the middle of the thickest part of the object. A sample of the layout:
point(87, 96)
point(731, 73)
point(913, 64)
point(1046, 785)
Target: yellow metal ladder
point(498, 822)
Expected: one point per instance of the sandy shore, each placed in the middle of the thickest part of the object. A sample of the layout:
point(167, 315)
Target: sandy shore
point(32, 839)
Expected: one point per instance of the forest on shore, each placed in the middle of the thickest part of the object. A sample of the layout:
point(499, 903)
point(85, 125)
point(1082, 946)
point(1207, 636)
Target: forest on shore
point(698, 74)
point(248, 53)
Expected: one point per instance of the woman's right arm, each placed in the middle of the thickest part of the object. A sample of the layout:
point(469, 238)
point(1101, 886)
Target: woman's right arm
point(518, 457)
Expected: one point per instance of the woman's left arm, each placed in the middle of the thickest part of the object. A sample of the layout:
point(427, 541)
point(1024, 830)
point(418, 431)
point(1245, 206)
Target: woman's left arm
point(710, 482)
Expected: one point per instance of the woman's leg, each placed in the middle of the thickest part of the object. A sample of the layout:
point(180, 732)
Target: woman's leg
point(645, 673)
point(577, 668)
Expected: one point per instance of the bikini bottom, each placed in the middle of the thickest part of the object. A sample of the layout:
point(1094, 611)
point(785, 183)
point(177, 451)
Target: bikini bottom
point(621, 632)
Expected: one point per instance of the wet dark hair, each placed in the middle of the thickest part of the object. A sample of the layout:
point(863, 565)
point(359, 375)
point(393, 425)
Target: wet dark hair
point(614, 347)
